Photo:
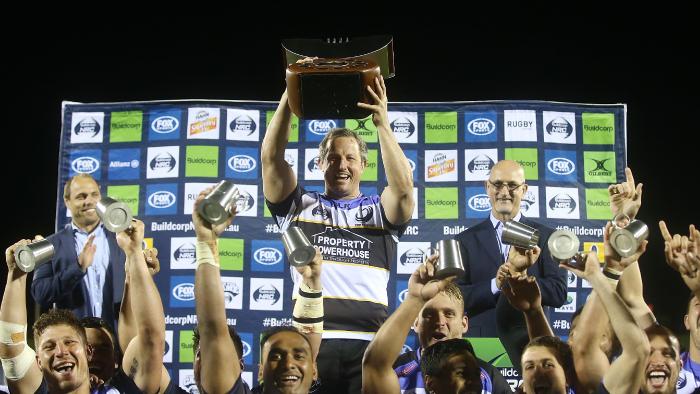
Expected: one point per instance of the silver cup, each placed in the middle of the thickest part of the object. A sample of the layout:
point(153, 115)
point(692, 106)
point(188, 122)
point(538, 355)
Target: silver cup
point(299, 249)
point(30, 256)
point(450, 259)
point(217, 205)
point(626, 240)
point(563, 245)
point(115, 215)
point(520, 235)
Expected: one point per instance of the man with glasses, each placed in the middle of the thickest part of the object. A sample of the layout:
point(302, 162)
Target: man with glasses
point(484, 254)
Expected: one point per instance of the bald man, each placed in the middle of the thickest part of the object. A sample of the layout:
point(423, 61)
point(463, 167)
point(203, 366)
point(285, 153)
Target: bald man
point(484, 253)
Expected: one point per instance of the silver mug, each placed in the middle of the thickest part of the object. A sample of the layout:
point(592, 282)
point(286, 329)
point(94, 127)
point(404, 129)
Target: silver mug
point(563, 245)
point(217, 205)
point(626, 240)
point(520, 235)
point(299, 249)
point(32, 255)
point(450, 259)
point(115, 215)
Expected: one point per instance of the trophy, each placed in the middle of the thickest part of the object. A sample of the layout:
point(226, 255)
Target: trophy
point(331, 85)
point(626, 240)
point(563, 245)
point(299, 249)
point(520, 235)
point(450, 259)
point(32, 255)
point(115, 215)
point(217, 205)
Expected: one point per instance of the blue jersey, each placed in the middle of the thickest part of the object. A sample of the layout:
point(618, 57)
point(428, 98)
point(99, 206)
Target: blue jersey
point(407, 368)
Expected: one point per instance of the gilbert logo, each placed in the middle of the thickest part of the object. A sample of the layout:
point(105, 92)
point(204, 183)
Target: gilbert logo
point(600, 169)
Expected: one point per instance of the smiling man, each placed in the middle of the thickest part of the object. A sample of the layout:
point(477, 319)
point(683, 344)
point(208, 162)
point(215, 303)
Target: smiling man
point(60, 364)
point(356, 233)
point(86, 274)
point(664, 363)
point(484, 252)
point(287, 362)
point(441, 319)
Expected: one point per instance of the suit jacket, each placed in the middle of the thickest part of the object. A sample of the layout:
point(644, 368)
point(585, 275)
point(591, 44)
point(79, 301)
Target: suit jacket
point(61, 280)
point(482, 257)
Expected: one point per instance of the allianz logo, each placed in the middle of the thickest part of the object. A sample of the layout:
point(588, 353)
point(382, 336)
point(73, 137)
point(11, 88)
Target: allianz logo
point(124, 164)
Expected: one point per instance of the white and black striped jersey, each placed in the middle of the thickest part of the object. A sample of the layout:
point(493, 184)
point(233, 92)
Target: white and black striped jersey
point(358, 245)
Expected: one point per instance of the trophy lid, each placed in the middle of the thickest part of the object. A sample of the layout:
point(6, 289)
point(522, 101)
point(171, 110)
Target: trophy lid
point(378, 49)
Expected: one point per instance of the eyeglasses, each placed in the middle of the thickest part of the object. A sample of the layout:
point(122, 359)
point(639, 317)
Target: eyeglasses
point(511, 186)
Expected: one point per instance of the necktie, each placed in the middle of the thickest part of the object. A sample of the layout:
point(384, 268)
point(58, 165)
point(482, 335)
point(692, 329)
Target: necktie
point(503, 249)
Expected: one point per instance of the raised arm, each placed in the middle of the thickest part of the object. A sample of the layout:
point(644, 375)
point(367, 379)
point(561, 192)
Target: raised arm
point(215, 344)
point(18, 359)
point(625, 374)
point(308, 313)
point(682, 255)
point(397, 197)
point(625, 197)
point(377, 373)
point(590, 361)
point(126, 324)
point(278, 178)
point(143, 357)
point(630, 285)
point(551, 279)
point(523, 293)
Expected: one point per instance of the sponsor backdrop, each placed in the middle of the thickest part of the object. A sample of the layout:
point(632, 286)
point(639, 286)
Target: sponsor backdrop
point(157, 156)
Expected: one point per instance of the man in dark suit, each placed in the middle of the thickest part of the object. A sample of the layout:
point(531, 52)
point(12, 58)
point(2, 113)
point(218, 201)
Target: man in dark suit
point(86, 274)
point(484, 253)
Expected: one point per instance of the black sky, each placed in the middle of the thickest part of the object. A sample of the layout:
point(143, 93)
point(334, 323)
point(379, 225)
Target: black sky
point(591, 55)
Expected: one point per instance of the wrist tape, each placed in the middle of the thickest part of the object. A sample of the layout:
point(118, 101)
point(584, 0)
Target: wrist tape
point(613, 276)
point(205, 255)
point(12, 333)
point(16, 367)
point(308, 311)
